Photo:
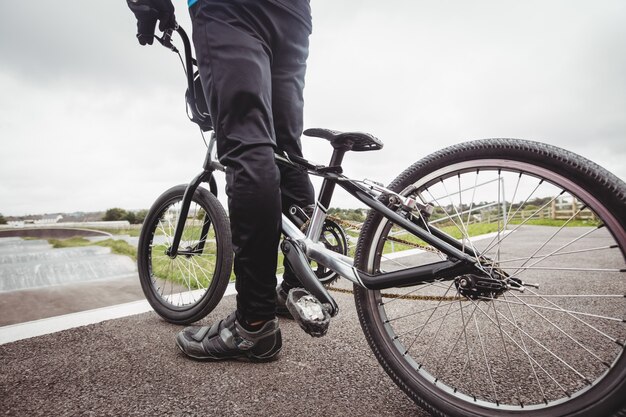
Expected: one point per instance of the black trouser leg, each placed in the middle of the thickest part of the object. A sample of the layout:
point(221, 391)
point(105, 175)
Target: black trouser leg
point(252, 58)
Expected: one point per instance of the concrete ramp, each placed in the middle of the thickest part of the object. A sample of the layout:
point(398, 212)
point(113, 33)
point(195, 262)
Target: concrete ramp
point(10, 245)
point(27, 264)
point(48, 254)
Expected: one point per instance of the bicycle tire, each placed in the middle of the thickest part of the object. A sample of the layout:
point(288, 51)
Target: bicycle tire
point(515, 365)
point(186, 288)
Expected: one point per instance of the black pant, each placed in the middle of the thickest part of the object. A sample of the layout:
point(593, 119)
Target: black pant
point(252, 60)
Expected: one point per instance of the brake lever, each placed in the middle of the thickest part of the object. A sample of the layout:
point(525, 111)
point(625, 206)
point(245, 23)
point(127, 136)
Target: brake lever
point(166, 39)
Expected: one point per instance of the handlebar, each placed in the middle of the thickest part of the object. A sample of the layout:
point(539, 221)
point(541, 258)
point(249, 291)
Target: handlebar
point(196, 103)
point(190, 62)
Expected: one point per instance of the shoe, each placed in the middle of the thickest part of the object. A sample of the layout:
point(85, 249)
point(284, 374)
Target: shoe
point(228, 340)
point(281, 303)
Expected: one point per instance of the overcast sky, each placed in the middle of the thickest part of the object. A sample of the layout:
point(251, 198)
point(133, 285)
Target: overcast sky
point(90, 120)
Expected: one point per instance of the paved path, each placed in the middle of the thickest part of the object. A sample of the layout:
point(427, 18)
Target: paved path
point(40, 303)
point(132, 367)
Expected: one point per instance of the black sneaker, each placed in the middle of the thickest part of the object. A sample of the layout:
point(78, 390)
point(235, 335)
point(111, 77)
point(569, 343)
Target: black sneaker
point(228, 340)
point(281, 303)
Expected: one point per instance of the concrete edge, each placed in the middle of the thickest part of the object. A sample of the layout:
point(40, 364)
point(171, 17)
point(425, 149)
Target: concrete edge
point(27, 330)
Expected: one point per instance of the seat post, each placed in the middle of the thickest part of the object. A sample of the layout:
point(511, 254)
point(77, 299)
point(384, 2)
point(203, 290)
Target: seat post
point(326, 192)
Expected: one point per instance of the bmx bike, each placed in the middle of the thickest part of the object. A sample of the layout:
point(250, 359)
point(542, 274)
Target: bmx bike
point(489, 277)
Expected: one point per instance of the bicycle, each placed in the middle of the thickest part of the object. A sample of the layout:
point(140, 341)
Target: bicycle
point(474, 293)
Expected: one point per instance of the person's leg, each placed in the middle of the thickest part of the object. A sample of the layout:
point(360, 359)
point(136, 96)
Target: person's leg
point(288, 73)
point(235, 62)
point(235, 67)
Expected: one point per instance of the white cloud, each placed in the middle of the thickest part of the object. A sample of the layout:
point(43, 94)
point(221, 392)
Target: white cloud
point(90, 120)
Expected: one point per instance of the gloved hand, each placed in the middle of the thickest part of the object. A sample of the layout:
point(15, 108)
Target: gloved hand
point(147, 13)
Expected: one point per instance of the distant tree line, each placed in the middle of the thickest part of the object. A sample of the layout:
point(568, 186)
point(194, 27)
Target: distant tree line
point(133, 217)
point(137, 217)
point(2, 219)
point(355, 215)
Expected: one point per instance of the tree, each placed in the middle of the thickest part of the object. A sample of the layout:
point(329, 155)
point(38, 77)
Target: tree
point(140, 216)
point(2, 219)
point(114, 214)
point(356, 215)
point(130, 216)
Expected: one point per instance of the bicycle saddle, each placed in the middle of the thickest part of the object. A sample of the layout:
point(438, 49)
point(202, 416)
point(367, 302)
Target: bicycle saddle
point(347, 141)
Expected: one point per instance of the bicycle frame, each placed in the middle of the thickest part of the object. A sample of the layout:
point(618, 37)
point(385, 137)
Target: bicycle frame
point(299, 248)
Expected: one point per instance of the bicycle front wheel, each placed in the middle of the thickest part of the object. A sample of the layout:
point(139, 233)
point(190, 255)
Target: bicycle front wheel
point(185, 288)
point(546, 336)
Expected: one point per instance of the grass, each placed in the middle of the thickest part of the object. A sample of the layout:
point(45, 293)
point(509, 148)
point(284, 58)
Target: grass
point(118, 247)
point(557, 222)
point(182, 268)
point(472, 230)
point(484, 228)
point(132, 231)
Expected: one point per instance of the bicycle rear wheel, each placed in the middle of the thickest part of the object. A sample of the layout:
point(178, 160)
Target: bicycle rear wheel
point(530, 214)
point(186, 288)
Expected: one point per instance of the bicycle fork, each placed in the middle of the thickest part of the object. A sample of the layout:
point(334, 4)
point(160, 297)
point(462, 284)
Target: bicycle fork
point(205, 176)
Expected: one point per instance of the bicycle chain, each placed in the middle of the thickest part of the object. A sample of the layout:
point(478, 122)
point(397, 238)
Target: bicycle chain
point(406, 296)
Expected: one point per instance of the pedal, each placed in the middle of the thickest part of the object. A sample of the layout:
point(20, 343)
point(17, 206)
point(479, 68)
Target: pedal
point(312, 316)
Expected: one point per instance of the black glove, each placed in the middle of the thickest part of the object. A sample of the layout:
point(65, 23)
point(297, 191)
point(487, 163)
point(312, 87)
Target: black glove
point(147, 13)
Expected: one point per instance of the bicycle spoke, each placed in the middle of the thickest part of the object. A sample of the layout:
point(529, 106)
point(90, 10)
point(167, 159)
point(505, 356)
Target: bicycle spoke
point(428, 321)
point(543, 346)
point(416, 313)
point(548, 240)
point(560, 330)
point(550, 268)
point(573, 312)
point(462, 336)
point(530, 363)
point(524, 350)
point(506, 351)
point(462, 229)
point(575, 316)
point(490, 246)
point(484, 352)
point(555, 253)
point(180, 278)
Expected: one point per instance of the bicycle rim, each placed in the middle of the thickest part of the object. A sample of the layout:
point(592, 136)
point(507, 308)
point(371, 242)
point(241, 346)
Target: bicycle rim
point(182, 282)
point(506, 351)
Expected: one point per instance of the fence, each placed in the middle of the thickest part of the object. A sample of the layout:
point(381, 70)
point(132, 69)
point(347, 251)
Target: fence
point(559, 209)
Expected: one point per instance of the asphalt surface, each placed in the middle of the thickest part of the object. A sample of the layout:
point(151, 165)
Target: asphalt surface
point(40, 303)
point(132, 367)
